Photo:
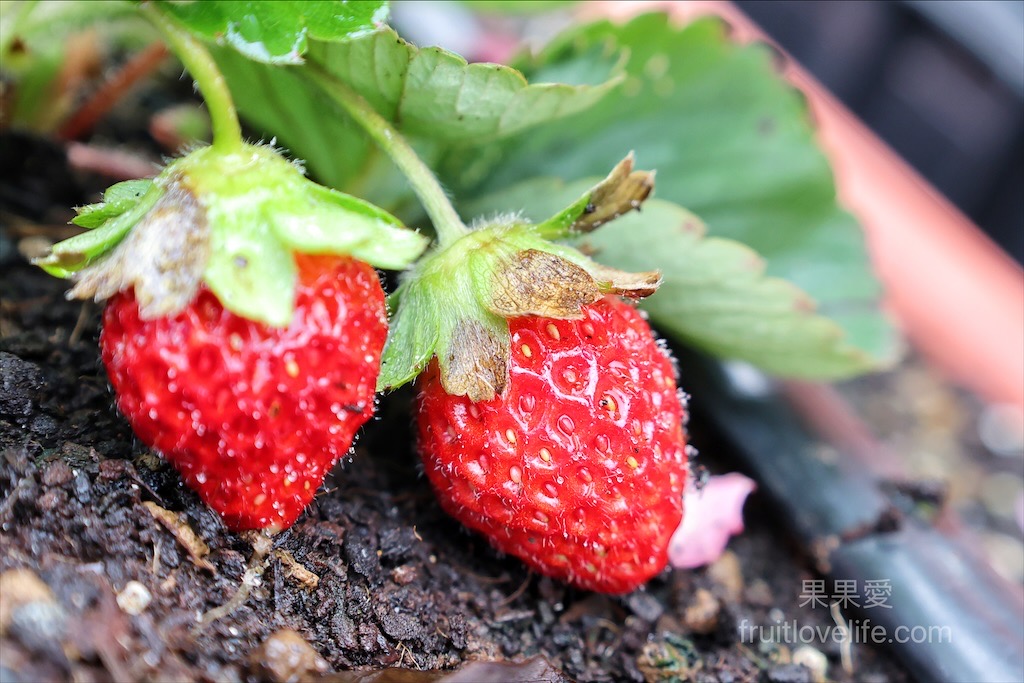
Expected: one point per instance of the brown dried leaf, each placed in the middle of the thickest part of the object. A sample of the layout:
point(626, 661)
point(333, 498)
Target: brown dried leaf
point(179, 528)
point(162, 258)
point(622, 191)
point(624, 283)
point(535, 282)
point(477, 364)
point(296, 571)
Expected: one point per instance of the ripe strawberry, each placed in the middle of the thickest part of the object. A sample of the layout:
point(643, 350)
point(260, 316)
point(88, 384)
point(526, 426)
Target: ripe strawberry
point(548, 414)
point(253, 416)
point(245, 321)
point(579, 466)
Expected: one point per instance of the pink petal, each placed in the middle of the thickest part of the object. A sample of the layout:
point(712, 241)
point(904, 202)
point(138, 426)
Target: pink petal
point(710, 517)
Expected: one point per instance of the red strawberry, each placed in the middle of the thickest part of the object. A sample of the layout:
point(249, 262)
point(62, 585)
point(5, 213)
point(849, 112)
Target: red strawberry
point(579, 466)
point(548, 414)
point(253, 416)
point(245, 321)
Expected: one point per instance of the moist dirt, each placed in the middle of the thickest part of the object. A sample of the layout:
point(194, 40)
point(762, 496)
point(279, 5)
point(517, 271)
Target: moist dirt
point(113, 561)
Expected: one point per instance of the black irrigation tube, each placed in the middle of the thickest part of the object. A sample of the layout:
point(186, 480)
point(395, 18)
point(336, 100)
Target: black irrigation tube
point(970, 620)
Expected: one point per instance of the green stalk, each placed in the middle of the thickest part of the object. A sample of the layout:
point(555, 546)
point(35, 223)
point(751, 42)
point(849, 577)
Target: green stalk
point(424, 183)
point(227, 133)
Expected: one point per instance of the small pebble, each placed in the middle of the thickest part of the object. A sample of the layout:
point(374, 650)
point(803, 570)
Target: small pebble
point(645, 606)
point(286, 657)
point(404, 574)
point(82, 487)
point(1001, 428)
point(1006, 554)
point(999, 493)
point(789, 673)
point(701, 616)
point(727, 574)
point(29, 611)
point(40, 626)
point(20, 587)
point(57, 473)
point(759, 593)
point(134, 598)
point(813, 660)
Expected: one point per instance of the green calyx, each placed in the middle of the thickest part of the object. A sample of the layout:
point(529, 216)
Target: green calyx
point(456, 303)
point(229, 220)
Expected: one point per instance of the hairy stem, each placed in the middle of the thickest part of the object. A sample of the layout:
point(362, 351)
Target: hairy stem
point(442, 214)
point(227, 133)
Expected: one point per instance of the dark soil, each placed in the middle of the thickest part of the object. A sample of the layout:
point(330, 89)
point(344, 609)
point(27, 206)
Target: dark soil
point(399, 583)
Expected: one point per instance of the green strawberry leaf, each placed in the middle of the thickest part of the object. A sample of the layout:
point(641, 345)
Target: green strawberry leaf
point(116, 200)
point(276, 32)
point(714, 294)
point(432, 96)
point(730, 140)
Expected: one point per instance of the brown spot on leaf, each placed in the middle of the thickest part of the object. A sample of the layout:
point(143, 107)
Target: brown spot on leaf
point(767, 125)
point(538, 283)
point(162, 258)
point(477, 362)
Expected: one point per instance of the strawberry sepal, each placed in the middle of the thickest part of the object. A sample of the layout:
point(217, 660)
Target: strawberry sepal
point(232, 221)
point(457, 302)
point(78, 252)
point(117, 199)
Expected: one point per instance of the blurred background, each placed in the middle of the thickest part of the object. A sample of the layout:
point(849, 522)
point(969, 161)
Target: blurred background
point(942, 82)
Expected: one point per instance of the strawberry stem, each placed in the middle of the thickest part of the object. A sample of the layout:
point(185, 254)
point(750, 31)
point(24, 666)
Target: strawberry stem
point(424, 183)
point(227, 133)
